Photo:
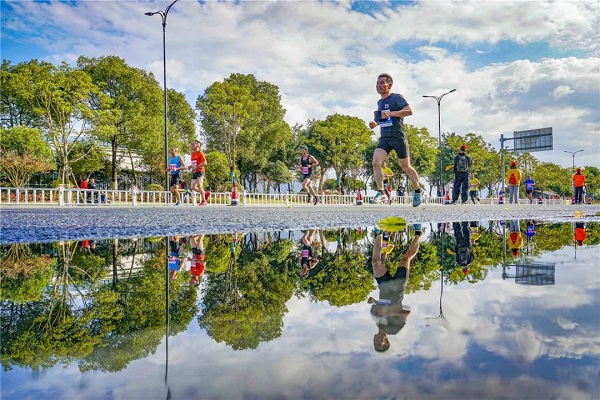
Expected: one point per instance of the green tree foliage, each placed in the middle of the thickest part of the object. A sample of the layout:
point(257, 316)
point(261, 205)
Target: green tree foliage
point(592, 181)
point(134, 118)
point(245, 305)
point(62, 99)
point(551, 177)
point(24, 275)
point(341, 279)
point(243, 118)
point(90, 159)
point(217, 171)
point(15, 111)
point(24, 154)
point(423, 150)
point(339, 143)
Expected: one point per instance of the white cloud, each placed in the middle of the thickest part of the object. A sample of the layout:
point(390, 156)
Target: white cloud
point(562, 91)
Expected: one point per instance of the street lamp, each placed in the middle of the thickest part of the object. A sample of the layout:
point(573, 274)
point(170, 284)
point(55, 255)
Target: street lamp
point(573, 154)
point(439, 100)
point(163, 15)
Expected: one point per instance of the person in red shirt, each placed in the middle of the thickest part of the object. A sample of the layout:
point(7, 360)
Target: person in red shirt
point(198, 171)
point(198, 259)
point(578, 183)
point(580, 233)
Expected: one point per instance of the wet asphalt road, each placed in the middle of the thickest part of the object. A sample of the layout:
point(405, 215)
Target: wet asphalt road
point(21, 224)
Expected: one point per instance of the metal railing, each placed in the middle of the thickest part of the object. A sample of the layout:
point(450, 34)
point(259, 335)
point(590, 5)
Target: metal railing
point(64, 196)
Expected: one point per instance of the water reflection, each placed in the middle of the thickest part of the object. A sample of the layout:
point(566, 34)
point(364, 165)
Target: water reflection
point(321, 305)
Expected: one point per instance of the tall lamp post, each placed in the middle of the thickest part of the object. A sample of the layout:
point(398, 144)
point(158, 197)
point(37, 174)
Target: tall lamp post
point(573, 154)
point(439, 100)
point(163, 15)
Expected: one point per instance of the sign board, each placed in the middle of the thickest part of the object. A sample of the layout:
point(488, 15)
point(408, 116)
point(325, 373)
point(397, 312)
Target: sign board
point(533, 140)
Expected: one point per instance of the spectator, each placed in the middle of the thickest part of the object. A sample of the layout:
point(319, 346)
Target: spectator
point(462, 169)
point(578, 184)
point(514, 181)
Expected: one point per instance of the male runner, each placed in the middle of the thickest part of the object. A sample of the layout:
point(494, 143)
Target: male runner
point(198, 164)
point(391, 110)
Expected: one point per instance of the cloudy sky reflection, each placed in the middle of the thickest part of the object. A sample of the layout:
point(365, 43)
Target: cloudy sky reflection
point(498, 339)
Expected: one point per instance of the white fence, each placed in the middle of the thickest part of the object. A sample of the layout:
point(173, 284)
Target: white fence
point(79, 197)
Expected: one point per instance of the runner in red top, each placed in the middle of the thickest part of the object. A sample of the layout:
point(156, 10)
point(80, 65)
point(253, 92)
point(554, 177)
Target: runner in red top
point(198, 164)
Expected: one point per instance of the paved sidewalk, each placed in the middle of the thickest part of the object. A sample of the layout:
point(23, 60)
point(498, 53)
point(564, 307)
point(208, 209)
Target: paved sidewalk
point(44, 224)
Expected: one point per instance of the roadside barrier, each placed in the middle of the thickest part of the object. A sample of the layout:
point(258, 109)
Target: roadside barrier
point(64, 196)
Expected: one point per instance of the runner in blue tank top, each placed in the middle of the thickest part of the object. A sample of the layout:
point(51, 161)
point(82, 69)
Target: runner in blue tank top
point(306, 164)
point(176, 165)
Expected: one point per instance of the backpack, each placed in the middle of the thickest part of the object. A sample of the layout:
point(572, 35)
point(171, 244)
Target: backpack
point(512, 180)
point(462, 164)
point(463, 255)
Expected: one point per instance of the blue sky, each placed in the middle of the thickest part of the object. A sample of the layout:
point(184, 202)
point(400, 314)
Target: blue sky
point(516, 65)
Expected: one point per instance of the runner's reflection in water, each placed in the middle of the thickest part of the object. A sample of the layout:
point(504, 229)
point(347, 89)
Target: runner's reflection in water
point(198, 259)
point(307, 261)
point(388, 312)
point(176, 245)
point(464, 247)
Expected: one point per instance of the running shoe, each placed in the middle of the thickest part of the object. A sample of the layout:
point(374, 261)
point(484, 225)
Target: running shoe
point(417, 199)
point(203, 203)
point(417, 228)
point(177, 203)
point(379, 198)
point(316, 200)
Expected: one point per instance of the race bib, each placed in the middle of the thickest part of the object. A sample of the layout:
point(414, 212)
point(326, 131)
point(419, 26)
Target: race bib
point(194, 163)
point(305, 253)
point(172, 167)
point(305, 170)
point(385, 122)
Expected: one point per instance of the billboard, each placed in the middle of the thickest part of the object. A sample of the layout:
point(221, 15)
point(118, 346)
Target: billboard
point(533, 140)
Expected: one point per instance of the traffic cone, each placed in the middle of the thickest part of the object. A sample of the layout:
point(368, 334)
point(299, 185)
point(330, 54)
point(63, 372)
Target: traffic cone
point(501, 198)
point(359, 197)
point(234, 196)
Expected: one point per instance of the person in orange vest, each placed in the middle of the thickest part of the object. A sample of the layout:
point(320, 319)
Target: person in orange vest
point(580, 233)
point(578, 183)
point(514, 181)
point(515, 237)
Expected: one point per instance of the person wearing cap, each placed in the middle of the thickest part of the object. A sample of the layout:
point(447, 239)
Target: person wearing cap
point(391, 110)
point(578, 184)
point(514, 181)
point(198, 171)
point(515, 237)
point(462, 170)
point(306, 164)
point(389, 314)
point(474, 188)
point(463, 250)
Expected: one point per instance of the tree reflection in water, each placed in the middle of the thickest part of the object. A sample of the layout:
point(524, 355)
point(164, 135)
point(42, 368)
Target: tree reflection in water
point(108, 306)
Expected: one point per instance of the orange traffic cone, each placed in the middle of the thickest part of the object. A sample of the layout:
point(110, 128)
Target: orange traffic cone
point(359, 197)
point(234, 196)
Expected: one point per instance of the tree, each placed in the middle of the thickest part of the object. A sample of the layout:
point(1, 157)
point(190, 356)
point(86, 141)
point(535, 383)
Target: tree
point(550, 176)
point(24, 154)
point(61, 98)
point(338, 142)
point(14, 109)
point(217, 171)
point(243, 118)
